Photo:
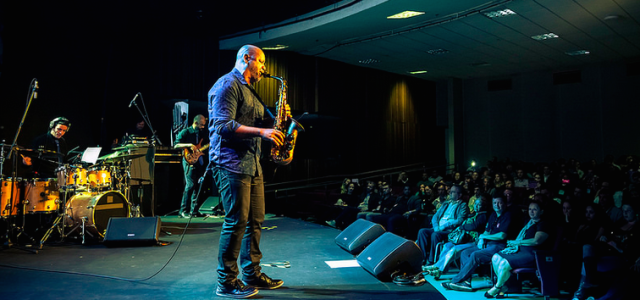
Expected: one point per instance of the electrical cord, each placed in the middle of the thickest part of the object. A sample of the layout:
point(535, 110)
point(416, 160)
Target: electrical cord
point(107, 276)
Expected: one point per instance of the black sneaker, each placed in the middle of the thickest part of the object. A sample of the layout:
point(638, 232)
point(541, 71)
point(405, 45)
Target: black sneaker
point(263, 282)
point(236, 290)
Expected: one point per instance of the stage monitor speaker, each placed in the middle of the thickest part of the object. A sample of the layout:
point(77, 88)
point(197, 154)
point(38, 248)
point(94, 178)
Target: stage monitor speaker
point(359, 235)
point(390, 253)
point(210, 205)
point(132, 232)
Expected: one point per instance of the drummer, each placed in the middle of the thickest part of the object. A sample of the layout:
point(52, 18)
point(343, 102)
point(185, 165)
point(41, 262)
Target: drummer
point(51, 148)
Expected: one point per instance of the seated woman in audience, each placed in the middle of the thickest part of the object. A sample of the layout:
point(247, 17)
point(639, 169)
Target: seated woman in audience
point(570, 218)
point(617, 251)
point(458, 179)
point(345, 186)
point(474, 225)
point(519, 252)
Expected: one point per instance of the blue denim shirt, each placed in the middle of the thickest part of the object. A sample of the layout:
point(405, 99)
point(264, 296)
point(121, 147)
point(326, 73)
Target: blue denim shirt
point(233, 102)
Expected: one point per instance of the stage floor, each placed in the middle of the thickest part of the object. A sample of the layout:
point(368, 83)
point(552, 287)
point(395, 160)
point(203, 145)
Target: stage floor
point(185, 268)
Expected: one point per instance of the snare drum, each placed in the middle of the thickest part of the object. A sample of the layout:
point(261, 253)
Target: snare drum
point(42, 196)
point(99, 177)
point(96, 211)
point(72, 176)
point(9, 205)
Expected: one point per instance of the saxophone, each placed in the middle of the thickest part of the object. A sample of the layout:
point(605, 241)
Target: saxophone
point(283, 155)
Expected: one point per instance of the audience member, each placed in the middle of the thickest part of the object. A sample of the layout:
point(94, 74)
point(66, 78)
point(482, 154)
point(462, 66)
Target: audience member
point(441, 196)
point(472, 226)
point(521, 180)
point(449, 216)
point(416, 215)
point(615, 253)
point(345, 185)
point(424, 180)
point(434, 178)
point(606, 201)
point(391, 217)
point(368, 201)
point(487, 187)
point(587, 232)
point(477, 193)
point(519, 252)
point(385, 203)
point(490, 242)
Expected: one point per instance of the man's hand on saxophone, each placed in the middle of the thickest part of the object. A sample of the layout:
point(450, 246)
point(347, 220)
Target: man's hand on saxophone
point(275, 136)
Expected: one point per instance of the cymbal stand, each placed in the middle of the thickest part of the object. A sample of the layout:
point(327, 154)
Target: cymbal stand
point(135, 211)
point(58, 223)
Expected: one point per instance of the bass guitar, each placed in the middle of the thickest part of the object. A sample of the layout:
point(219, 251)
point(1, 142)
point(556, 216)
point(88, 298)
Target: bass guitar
point(192, 157)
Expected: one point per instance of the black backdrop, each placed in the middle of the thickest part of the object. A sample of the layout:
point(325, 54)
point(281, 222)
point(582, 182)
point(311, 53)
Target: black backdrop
point(92, 58)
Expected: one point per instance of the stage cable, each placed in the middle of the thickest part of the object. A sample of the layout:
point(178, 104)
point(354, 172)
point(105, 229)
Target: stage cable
point(107, 276)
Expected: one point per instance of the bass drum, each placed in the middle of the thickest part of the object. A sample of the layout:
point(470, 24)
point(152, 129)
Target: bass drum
point(96, 211)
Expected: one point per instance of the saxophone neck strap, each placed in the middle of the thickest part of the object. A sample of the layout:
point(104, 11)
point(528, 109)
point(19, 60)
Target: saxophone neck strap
point(266, 109)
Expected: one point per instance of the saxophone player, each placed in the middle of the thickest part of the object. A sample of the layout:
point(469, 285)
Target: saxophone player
point(236, 114)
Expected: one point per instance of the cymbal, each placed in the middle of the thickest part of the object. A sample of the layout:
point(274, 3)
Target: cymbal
point(116, 156)
point(127, 147)
point(39, 152)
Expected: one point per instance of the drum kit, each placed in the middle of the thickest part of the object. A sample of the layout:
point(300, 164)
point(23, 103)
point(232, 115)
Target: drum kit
point(78, 202)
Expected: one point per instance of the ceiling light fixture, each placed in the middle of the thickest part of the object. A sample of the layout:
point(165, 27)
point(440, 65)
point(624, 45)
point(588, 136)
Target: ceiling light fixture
point(276, 47)
point(368, 61)
point(499, 13)
point(406, 14)
point(545, 36)
point(578, 52)
point(611, 17)
point(417, 72)
point(437, 51)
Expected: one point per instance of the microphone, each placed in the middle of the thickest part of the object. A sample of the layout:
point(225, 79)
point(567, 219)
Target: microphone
point(35, 89)
point(134, 100)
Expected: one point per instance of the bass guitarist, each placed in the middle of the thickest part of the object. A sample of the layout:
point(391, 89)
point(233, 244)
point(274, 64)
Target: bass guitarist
point(193, 140)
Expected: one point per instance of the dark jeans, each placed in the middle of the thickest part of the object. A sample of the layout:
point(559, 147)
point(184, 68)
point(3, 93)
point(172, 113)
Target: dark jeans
point(190, 203)
point(347, 216)
point(472, 258)
point(428, 240)
point(394, 223)
point(242, 197)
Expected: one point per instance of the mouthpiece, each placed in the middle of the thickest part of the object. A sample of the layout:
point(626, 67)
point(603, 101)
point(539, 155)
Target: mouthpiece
point(266, 75)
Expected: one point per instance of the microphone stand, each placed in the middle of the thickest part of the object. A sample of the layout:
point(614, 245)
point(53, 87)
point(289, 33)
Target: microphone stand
point(32, 95)
point(154, 139)
point(145, 118)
